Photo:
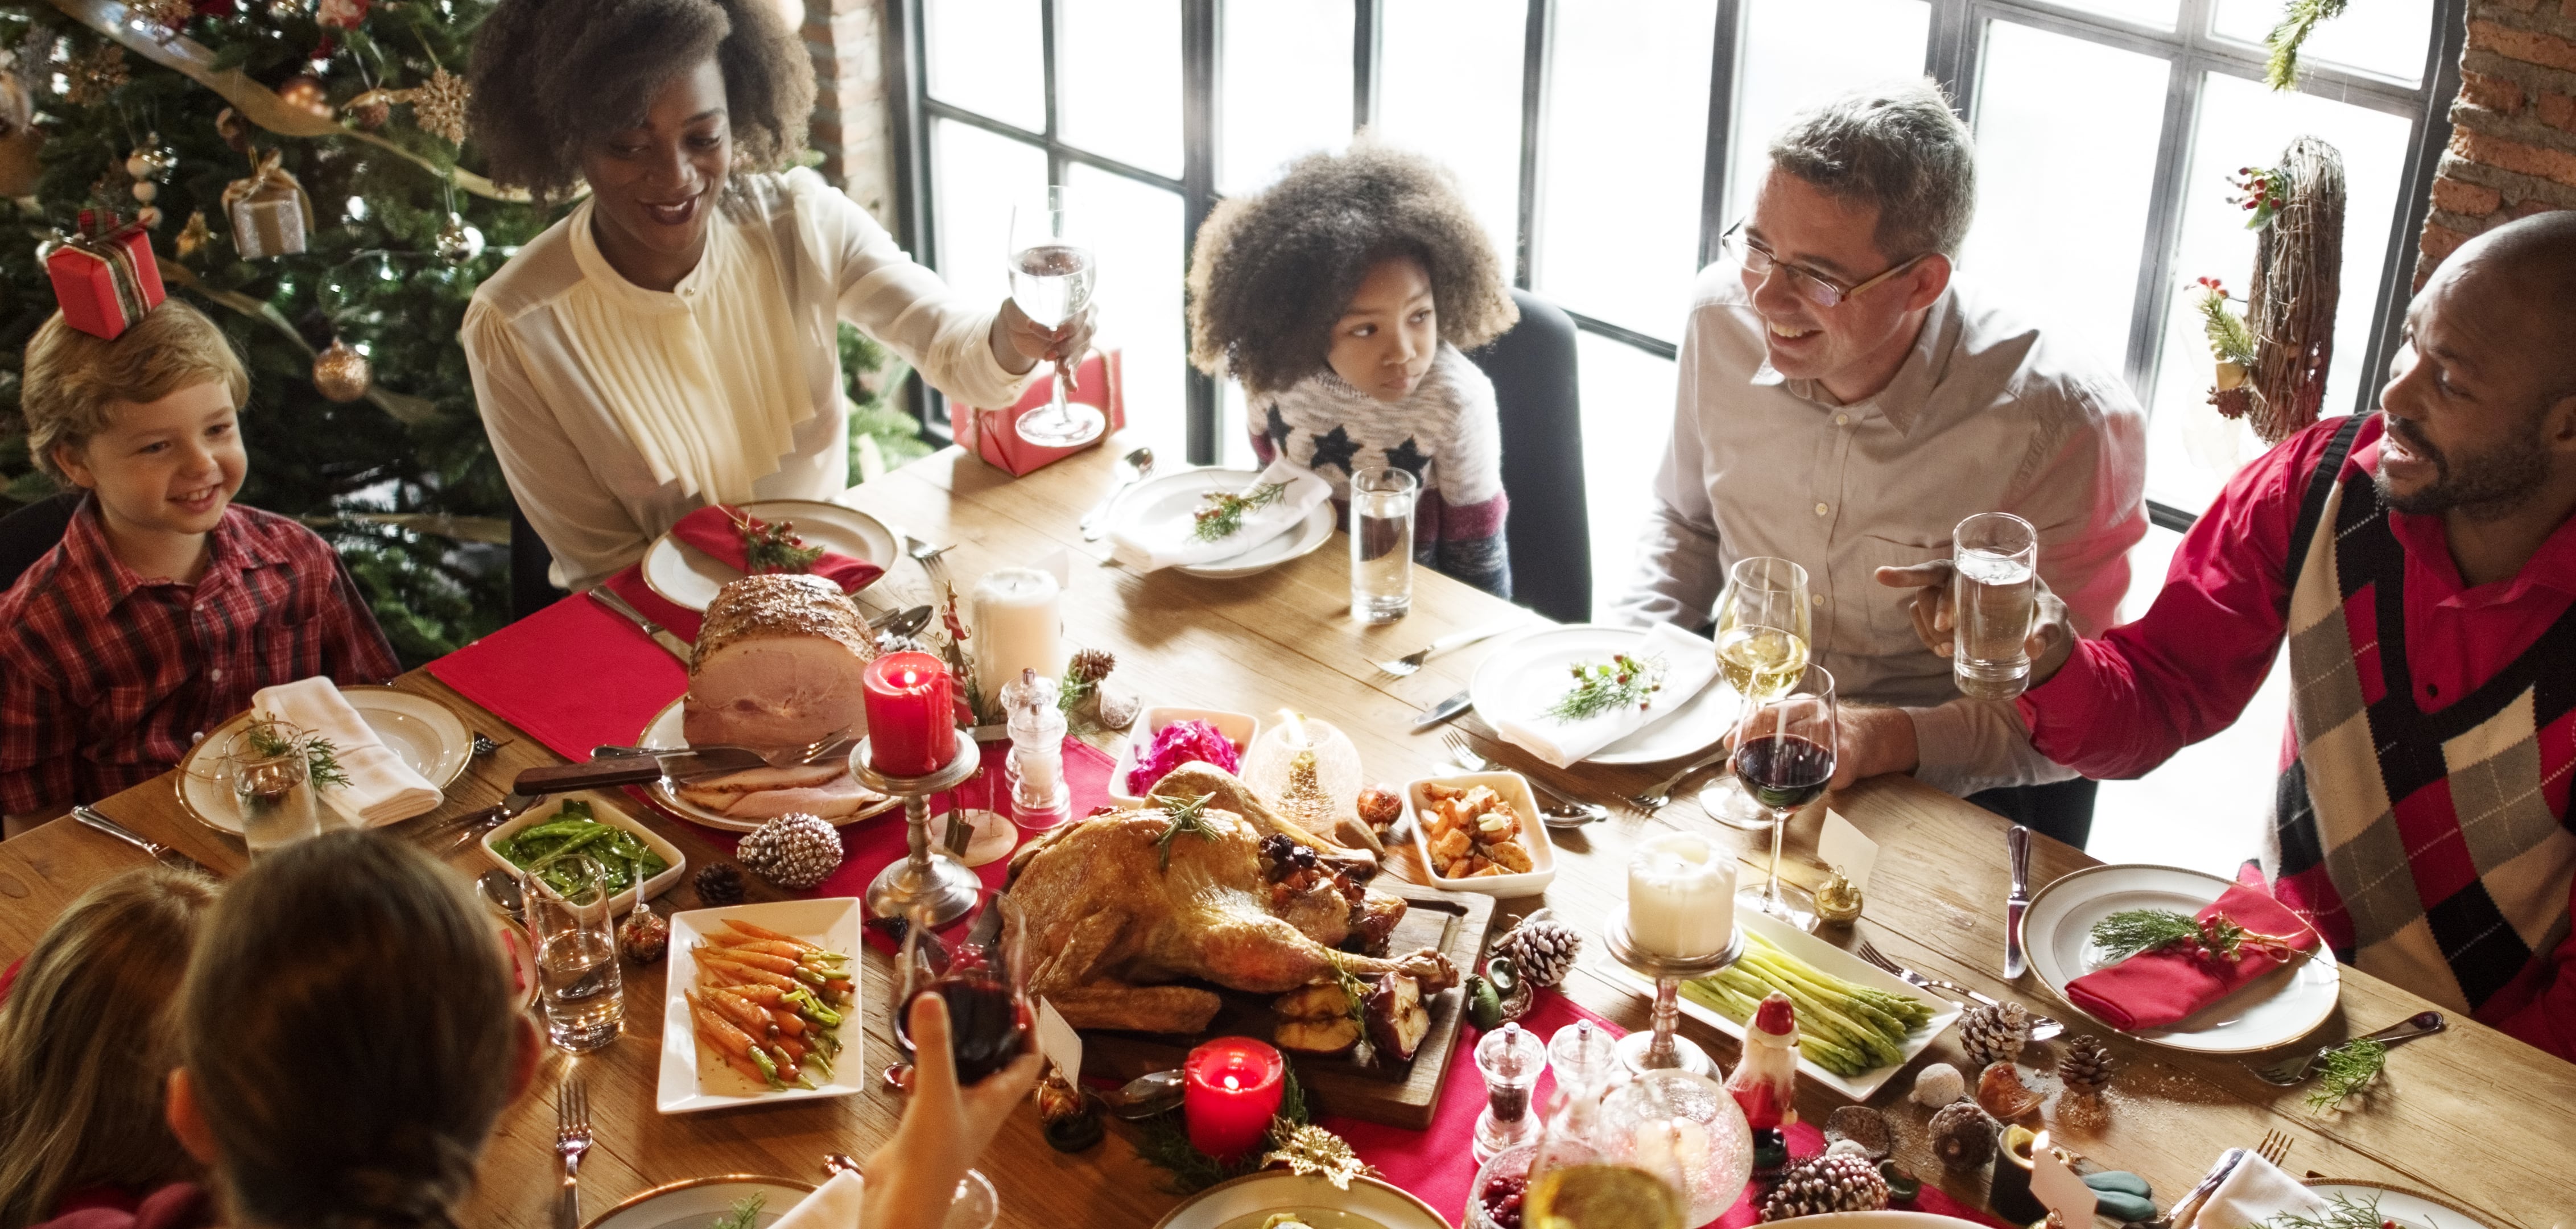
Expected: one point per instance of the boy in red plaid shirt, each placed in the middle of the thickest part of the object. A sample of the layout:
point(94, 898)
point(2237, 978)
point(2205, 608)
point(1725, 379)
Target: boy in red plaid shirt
point(164, 607)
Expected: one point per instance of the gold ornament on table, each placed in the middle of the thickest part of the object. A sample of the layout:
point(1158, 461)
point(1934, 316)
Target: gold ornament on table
point(96, 73)
point(341, 373)
point(1838, 899)
point(1312, 1150)
point(194, 237)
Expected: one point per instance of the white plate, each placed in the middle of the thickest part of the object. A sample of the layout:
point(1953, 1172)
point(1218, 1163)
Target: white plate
point(607, 809)
point(1515, 791)
point(665, 732)
point(1243, 1203)
point(1238, 728)
point(696, 1202)
point(1825, 958)
point(1526, 674)
point(832, 922)
point(424, 734)
point(687, 576)
point(2274, 1010)
point(2408, 1209)
point(1174, 497)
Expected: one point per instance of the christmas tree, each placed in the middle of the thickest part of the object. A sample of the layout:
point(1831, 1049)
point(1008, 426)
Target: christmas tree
point(371, 230)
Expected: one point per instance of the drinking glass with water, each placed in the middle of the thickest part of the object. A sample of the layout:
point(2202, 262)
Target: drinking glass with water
point(271, 776)
point(1382, 544)
point(1993, 596)
point(573, 928)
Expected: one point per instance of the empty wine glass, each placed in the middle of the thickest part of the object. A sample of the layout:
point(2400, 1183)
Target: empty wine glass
point(1784, 755)
point(1765, 623)
point(1052, 267)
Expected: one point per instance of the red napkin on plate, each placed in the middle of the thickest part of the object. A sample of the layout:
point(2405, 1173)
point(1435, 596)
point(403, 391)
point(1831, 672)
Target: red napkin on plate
point(711, 529)
point(2154, 989)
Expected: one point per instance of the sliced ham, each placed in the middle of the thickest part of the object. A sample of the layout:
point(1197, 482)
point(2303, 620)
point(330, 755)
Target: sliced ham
point(832, 800)
point(801, 776)
point(777, 665)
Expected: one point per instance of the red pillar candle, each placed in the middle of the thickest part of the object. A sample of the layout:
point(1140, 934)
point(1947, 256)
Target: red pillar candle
point(912, 723)
point(1231, 1089)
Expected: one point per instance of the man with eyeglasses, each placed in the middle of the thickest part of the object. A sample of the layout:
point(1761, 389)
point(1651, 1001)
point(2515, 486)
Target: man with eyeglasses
point(1844, 402)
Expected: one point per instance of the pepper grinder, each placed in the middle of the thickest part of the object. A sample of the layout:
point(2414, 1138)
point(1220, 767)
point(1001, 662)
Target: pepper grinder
point(1039, 797)
point(1511, 1061)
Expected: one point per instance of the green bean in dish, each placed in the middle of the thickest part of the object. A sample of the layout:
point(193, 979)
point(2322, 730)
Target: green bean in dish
point(623, 857)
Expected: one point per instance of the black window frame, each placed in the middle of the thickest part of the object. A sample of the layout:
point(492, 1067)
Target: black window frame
point(1953, 55)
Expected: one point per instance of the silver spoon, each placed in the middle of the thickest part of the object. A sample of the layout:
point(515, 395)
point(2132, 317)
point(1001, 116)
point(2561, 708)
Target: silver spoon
point(1132, 469)
point(500, 889)
point(1144, 1096)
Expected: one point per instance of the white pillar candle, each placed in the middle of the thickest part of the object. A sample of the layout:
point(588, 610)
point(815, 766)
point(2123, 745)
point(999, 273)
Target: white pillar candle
point(1018, 626)
point(1681, 896)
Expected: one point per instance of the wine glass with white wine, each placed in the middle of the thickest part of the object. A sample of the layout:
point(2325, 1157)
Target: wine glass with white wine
point(1765, 621)
point(1052, 267)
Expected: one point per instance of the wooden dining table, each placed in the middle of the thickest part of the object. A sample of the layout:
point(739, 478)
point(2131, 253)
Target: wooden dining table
point(2474, 1117)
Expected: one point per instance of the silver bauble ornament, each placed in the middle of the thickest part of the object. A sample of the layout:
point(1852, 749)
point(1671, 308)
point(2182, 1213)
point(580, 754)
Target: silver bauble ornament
point(458, 242)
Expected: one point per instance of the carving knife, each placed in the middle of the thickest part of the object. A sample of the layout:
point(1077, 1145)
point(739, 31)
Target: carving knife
point(1444, 710)
point(637, 769)
point(661, 635)
point(2016, 962)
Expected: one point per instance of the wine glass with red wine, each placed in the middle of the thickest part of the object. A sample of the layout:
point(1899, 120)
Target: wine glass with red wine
point(1784, 755)
point(983, 976)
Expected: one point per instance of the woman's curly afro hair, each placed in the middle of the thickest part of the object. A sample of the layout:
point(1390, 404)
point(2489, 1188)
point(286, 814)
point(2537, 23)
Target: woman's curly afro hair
point(551, 78)
point(1272, 272)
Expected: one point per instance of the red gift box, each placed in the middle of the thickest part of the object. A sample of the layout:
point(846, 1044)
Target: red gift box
point(994, 434)
point(105, 277)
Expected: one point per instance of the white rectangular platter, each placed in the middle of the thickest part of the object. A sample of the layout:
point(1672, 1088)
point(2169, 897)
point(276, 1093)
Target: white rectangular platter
point(1825, 958)
point(832, 922)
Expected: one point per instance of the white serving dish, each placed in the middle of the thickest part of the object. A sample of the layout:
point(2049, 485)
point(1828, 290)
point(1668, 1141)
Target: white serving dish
point(1515, 791)
point(2272, 1010)
point(605, 808)
point(1238, 728)
point(1824, 958)
point(831, 922)
point(686, 576)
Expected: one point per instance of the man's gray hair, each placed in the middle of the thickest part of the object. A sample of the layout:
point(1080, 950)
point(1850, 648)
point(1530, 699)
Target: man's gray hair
point(1899, 147)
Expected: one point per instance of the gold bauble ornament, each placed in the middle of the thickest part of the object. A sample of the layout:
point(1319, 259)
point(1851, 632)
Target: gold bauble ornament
point(1838, 899)
point(340, 372)
point(193, 237)
point(304, 92)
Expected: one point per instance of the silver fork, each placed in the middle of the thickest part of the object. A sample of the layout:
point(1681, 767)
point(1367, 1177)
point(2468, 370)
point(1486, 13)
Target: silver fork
point(1658, 798)
point(572, 1138)
point(2293, 1072)
point(1405, 666)
point(1567, 813)
point(927, 556)
point(2041, 1027)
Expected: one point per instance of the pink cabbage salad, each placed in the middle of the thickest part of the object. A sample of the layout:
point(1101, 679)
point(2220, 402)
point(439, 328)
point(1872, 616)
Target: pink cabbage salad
point(1182, 742)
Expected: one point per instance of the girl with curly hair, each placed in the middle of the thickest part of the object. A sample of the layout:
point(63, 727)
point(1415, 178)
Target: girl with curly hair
point(1342, 298)
point(673, 341)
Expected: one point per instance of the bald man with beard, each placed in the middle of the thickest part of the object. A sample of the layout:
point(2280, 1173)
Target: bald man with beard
point(2421, 563)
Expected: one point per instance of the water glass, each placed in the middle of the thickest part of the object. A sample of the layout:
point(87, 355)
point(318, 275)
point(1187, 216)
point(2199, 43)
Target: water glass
point(1995, 557)
point(273, 786)
point(574, 930)
point(1382, 544)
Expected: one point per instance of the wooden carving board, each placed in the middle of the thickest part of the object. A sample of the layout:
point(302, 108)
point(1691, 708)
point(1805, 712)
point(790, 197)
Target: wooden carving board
point(1397, 1094)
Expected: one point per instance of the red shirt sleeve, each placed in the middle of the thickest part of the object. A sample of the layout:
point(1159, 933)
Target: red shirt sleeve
point(2126, 702)
point(2549, 1019)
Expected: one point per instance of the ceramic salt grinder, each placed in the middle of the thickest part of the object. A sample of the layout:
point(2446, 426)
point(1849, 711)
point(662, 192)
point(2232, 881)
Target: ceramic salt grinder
point(1039, 798)
point(1511, 1061)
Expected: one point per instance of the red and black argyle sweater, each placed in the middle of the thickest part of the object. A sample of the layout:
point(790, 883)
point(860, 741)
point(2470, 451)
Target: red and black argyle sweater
point(2430, 849)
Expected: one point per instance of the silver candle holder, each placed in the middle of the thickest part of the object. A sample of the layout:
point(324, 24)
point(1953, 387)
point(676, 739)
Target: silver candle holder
point(1661, 1049)
point(926, 878)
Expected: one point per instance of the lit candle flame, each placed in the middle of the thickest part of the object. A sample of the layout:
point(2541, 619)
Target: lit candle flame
point(1232, 1084)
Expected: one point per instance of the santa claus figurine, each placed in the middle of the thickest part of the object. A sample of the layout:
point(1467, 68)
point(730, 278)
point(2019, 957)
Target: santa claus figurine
point(1765, 1084)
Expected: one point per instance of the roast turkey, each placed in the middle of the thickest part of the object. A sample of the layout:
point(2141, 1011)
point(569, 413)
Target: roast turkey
point(777, 665)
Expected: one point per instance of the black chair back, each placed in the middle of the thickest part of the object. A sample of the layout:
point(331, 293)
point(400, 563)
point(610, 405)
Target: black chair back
point(1550, 529)
point(29, 532)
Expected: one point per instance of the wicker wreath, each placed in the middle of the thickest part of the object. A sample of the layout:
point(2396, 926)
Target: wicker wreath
point(2298, 261)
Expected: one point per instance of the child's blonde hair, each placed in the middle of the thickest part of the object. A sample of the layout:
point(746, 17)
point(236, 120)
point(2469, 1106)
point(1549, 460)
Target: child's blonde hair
point(86, 1037)
point(72, 377)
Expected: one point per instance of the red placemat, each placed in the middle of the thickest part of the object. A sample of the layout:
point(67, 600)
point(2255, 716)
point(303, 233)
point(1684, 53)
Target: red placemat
point(1439, 1164)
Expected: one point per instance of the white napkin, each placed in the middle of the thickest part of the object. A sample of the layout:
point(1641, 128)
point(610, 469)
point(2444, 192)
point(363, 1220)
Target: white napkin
point(381, 789)
point(833, 1205)
point(2253, 1193)
point(1162, 544)
point(1689, 664)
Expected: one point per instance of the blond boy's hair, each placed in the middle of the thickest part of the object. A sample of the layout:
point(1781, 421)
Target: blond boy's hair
point(72, 377)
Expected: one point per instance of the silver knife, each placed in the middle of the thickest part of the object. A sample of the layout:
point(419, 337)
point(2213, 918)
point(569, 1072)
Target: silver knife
point(691, 763)
point(2015, 962)
point(661, 635)
point(1444, 710)
point(88, 817)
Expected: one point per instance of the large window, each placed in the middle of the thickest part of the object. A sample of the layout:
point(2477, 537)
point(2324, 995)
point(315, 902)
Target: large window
point(1606, 145)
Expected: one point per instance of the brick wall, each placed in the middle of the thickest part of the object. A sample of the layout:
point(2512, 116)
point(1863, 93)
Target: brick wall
point(851, 125)
point(2513, 126)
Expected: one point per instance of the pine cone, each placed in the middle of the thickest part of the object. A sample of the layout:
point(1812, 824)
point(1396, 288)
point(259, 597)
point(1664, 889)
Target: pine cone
point(2088, 1065)
point(1830, 1183)
point(1542, 948)
point(719, 883)
point(1994, 1034)
point(1091, 665)
point(793, 851)
point(1963, 1136)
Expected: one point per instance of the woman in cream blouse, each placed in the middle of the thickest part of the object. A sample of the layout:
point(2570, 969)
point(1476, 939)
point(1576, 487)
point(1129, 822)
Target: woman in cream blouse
point(673, 341)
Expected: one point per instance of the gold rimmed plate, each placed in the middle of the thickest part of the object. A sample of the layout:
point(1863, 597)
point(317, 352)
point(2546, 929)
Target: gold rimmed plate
point(424, 734)
point(1246, 1202)
point(694, 1203)
point(686, 576)
point(2272, 1010)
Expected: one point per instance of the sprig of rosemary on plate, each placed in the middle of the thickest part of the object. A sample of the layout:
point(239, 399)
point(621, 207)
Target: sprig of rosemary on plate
point(2344, 1070)
point(772, 546)
point(2342, 1212)
point(1223, 516)
point(321, 756)
point(2131, 931)
point(1601, 687)
point(1189, 817)
point(745, 1212)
